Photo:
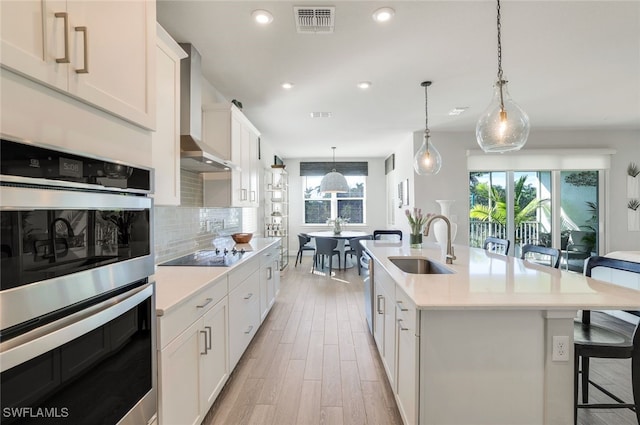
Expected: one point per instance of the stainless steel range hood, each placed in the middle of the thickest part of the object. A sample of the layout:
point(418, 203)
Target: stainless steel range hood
point(195, 155)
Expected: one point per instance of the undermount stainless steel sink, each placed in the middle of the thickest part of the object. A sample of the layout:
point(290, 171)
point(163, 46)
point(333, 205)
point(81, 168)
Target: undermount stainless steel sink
point(419, 266)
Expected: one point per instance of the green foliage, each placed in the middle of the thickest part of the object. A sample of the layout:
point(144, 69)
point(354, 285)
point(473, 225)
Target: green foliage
point(582, 178)
point(633, 169)
point(525, 205)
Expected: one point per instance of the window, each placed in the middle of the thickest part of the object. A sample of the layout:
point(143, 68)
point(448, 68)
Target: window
point(533, 213)
point(319, 207)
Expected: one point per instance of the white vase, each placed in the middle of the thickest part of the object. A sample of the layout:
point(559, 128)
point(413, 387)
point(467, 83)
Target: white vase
point(440, 227)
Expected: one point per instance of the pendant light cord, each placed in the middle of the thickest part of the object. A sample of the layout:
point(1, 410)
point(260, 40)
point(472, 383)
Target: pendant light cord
point(426, 113)
point(500, 78)
point(499, 25)
point(334, 159)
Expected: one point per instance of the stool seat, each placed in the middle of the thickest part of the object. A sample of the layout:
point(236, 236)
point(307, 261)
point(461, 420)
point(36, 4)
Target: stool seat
point(594, 338)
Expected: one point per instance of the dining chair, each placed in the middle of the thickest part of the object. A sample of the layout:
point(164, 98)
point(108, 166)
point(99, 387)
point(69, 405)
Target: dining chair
point(497, 245)
point(552, 254)
point(603, 341)
point(380, 234)
point(356, 248)
point(303, 240)
point(326, 247)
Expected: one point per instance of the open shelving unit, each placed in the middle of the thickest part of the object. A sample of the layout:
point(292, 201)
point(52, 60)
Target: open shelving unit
point(276, 212)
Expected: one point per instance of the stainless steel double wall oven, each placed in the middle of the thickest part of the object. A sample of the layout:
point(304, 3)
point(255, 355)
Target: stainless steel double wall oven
point(77, 311)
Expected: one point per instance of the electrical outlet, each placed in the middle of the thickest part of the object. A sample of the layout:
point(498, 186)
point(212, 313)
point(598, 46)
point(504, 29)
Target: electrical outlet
point(560, 348)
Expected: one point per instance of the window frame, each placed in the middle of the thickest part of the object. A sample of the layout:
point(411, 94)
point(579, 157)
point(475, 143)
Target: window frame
point(334, 200)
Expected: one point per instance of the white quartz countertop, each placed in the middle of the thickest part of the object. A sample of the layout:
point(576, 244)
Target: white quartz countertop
point(175, 284)
point(483, 280)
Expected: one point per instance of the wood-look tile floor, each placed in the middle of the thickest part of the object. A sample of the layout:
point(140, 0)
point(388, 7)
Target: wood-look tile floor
point(314, 361)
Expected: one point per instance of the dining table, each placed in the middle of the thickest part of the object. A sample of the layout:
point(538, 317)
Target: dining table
point(341, 237)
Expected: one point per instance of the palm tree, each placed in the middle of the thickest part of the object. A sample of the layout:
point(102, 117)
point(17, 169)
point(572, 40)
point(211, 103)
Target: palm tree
point(496, 211)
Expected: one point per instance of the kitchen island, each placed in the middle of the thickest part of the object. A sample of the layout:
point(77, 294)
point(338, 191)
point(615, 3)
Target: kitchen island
point(475, 345)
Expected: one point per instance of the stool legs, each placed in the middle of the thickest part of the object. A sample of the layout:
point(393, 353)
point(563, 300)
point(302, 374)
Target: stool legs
point(576, 368)
point(635, 382)
point(585, 379)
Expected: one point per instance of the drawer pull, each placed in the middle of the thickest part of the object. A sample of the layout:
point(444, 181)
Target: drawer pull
point(270, 274)
point(400, 307)
point(243, 194)
point(248, 331)
point(249, 295)
point(208, 328)
point(85, 69)
point(205, 343)
point(400, 326)
point(207, 301)
point(380, 309)
point(65, 18)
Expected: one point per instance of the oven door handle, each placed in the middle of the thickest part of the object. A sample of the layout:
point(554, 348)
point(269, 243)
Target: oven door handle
point(45, 338)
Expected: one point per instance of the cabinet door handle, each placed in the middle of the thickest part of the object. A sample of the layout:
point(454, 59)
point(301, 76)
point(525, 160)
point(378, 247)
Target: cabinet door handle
point(205, 343)
point(65, 18)
point(207, 301)
point(380, 310)
point(248, 331)
point(400, 326)
point(85, 69)
point(208, 345)
point(400, 307)
point(243, 194)
point(270, 274)
point(249, 295)
point(253, 196)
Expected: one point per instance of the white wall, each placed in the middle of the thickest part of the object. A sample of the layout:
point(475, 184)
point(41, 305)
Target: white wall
point(376, 199)
point(452, 182)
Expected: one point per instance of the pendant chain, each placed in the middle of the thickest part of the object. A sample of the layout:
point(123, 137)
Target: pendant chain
point(426, 112)
point(499, 44)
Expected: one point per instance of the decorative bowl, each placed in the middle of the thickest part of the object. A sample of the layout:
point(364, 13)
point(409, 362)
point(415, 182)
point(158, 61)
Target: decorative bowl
point(242, 237)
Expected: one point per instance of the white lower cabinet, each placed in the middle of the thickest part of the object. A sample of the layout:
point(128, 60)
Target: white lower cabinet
point(244, 309)
point(179, 375)
point(408, 345)
point(385, 320)
point(215, 366)
point(201, 340)
point(396, 332)
point(269, 280)
point(193, 362)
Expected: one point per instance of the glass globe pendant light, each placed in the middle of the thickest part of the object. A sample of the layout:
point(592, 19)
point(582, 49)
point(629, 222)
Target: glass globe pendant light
point(503, 126)
point(334, 182)
point(427, 160)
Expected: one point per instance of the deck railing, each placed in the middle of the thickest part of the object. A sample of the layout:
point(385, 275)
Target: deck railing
point(526, 232)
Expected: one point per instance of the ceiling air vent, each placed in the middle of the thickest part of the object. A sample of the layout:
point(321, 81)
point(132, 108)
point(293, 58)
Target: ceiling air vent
point(314, 20)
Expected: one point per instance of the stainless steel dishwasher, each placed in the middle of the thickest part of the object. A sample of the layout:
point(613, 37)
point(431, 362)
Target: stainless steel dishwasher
point(368, 292)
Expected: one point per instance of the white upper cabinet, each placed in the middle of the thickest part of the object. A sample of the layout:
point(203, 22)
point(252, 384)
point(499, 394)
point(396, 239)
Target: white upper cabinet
point(101, 52)
point(166, 139)
point(229, 134)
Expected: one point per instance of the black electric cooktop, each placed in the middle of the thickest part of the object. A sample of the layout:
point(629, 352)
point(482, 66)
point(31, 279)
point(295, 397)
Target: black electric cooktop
point(210, 258)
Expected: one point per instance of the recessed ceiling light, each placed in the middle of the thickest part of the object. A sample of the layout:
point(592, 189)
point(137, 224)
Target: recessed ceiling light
point(458, 110)
point(262, 17)
point(287, 85)
point(364, 85)
point(383, 14)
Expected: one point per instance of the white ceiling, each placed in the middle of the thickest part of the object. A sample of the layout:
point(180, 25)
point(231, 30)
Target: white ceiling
point(571, 65)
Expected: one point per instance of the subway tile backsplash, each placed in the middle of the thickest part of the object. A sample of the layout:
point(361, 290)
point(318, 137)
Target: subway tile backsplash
point(181, 230)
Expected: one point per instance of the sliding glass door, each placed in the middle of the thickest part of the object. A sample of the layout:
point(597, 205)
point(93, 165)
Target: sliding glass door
point(579, 215)
point(547, 208)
